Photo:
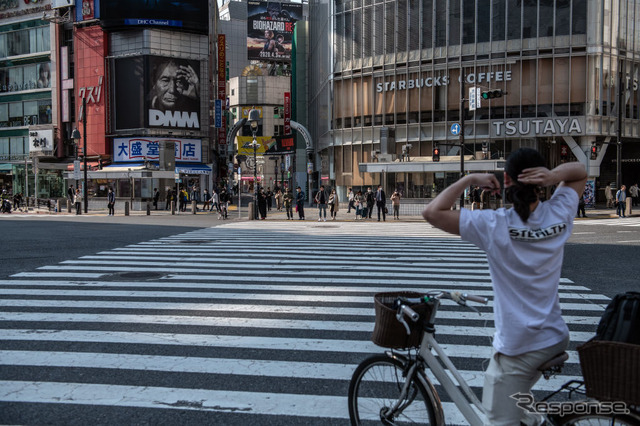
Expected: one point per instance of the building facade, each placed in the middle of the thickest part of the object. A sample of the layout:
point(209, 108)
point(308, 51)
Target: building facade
point(28, 109)
point(391, 91)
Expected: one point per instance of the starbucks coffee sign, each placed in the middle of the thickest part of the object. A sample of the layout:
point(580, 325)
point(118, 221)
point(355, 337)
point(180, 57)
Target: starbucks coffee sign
point(535, 127)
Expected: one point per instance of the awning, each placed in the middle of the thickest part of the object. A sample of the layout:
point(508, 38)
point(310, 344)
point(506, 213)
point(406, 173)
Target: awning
point(6, 167)
point(451, 164)
point(193, 169)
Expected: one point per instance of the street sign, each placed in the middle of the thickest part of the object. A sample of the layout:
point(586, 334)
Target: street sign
point(77, 173)
point(455, 129)
point(472, 99)
point(287, 160)
point(218, 113)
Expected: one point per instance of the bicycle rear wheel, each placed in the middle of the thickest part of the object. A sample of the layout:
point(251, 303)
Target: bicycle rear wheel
point(375, 388)
point(597, 420)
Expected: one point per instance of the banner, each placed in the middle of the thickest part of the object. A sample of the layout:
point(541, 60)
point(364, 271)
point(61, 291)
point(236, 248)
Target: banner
point(141, 149)
point(270, 30)
point(267, 145)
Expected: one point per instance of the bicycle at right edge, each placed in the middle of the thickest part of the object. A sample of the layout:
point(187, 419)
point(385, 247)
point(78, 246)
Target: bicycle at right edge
point(393, 388)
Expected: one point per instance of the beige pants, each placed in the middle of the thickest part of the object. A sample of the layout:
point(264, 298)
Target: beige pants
point(508, 375)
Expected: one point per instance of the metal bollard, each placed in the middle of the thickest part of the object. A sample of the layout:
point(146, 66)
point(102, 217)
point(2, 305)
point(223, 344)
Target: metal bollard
point(173, 207)
point(57, 206)
point(126, 208)
point(148, 208)
point(252, 211)
point(193, 207)
point(68, 206)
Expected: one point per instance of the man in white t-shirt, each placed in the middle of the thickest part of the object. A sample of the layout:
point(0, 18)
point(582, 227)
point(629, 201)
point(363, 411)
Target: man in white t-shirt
point(524, 246)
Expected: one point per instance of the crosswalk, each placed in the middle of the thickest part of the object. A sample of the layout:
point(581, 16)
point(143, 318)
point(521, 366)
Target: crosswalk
point(624, 221)
point(259, 319)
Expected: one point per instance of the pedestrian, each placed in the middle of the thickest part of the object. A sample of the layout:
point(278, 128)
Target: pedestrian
point(334, 204)
point(77, 199)
point(71, 193)
point(167, 205)
point(321, 200)
point(111, 202)
point(287, 200)
point(381, 200)
point(206, 197)
point(184, 199)
point(215, 201)
point(358, 203)
point(395, 202)
point(195, 195)
point(609, 196)
point(269, 198)
point(581, 205)
point(633, 191)
point(262, 204)
point(371, 200)
point(279, 198)
point(156, 197)
point(476, 198)
point(524, 245)
point(223, 202)
point(350, 197)
point(300, 203)
point(621, 201)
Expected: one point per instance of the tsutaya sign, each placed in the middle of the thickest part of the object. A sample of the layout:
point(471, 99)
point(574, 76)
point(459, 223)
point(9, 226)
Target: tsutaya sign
point(442, 80)
point(560, 126)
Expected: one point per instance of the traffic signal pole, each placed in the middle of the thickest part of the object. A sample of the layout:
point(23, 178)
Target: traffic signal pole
point(462, 78)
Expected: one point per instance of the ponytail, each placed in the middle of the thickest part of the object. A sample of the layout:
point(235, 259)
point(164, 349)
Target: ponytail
point(519, 194)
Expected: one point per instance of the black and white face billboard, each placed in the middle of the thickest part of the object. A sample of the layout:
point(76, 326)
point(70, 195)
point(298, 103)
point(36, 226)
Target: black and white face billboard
point(158, 92)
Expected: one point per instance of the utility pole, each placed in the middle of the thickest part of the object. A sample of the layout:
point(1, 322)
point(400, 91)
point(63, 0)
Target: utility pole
point(619, 134)
point(462, 78)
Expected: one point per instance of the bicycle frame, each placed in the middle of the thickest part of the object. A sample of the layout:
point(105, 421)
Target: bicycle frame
point(462, 396)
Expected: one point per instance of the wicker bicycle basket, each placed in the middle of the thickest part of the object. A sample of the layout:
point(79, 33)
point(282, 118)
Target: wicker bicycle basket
point(611, 370)
point(388, 331)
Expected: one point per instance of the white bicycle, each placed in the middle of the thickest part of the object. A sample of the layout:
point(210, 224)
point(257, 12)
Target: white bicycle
point(393, 388)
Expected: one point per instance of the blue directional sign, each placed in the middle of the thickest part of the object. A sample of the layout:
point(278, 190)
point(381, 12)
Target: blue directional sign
point(455, 129)
point(218, 113)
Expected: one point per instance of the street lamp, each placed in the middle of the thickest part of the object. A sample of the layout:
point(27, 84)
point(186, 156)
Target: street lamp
point(254, 116)
point(75, 135)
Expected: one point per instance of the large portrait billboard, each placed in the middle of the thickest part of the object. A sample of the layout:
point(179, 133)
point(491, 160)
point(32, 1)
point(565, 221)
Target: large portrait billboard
point(270, 29)
point(189, 15)
point(156, 91)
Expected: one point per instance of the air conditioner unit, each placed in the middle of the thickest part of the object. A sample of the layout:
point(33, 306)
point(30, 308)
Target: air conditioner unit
point(385, 158)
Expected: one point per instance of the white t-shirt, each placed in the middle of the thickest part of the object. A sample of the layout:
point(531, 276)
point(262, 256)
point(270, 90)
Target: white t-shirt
point(525, 261)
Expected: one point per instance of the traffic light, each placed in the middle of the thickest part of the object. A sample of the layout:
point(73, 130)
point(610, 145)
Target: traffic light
point(492, 94)
point(594, 152)
point(436, 153)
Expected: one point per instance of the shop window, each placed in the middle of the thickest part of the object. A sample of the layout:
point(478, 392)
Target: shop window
point(388, 119)
point(31, 113)
point(367, 121)
point(44, 111)
point(15, 114)
point(347, 122)
point(377, 120)
point(4, 115)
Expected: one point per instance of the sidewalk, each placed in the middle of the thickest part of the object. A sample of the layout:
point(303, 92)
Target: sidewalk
point(311, 214)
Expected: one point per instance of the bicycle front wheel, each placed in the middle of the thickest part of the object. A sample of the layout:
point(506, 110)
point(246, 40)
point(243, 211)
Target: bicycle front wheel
point(375, 389)
point(597, 420)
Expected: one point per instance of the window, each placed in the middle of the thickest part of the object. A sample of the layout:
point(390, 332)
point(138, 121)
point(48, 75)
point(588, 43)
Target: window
point(275, 130)
point(44, 111)
point(514, 19)
point(25, 41)
point(484, 21)
point(469, 22)
point(497, 20)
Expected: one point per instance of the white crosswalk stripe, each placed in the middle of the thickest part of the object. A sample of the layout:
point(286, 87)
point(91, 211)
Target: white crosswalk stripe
point(625, 221)
point(252, 308)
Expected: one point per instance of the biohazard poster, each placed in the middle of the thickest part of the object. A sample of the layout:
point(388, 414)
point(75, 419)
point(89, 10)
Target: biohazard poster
point(270, 30)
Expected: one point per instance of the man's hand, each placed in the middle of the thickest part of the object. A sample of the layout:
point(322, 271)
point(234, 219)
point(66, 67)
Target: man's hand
point(486, 181)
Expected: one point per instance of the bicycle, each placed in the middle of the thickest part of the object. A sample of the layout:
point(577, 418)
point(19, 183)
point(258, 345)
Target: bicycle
point(393, 388)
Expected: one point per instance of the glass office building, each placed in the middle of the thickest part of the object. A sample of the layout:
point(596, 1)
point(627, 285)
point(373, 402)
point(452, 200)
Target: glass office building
point(386, 87)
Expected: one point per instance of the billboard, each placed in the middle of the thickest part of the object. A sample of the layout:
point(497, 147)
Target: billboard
point(127, 150)
point(267, 145)
point(191, 15)
point(157, 91)
point(270, 29)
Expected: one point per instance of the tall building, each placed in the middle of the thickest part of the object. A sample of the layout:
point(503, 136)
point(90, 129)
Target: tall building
point(28, 110)
point(386, 76)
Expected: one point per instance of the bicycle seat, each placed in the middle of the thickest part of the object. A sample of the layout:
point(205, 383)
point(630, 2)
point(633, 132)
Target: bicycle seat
point(556, 361)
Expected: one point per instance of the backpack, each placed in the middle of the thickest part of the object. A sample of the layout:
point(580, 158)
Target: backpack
point(621, 319)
